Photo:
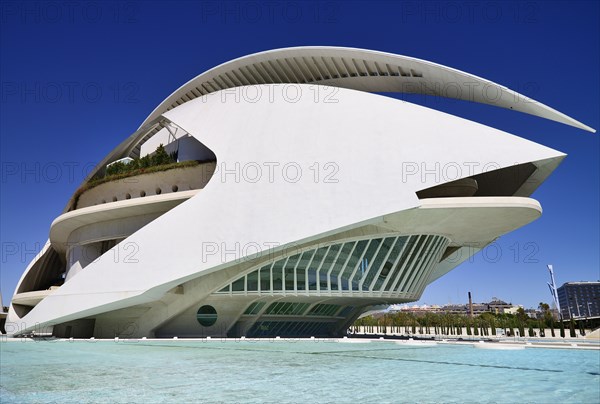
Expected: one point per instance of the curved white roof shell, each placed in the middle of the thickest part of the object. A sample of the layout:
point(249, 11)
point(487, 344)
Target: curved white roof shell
point(357, 69)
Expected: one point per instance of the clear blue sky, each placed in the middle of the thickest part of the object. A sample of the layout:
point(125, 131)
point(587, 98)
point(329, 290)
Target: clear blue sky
point(77, 78)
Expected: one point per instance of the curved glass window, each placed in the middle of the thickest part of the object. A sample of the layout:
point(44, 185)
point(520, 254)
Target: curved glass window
point(254, 308)
point(379, 265)
point(324, 310)
point(286, 309)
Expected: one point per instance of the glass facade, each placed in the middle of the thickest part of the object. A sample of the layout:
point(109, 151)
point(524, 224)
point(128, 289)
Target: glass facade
point(381, 266)
point(324, 310)
point(579, 299)
point(286, 309)
point(290, 329)
point(254, 308)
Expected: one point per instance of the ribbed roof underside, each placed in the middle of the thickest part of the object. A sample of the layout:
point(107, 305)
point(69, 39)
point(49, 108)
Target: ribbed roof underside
point(357, 69)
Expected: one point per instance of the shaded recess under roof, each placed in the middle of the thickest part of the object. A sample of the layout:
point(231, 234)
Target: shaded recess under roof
point(504, 182)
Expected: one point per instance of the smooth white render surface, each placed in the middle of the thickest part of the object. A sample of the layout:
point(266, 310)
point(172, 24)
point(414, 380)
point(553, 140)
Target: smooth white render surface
point(370, 138)
point(65, 224)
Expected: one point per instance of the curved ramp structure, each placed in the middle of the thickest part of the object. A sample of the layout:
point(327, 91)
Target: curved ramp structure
point(310, 201)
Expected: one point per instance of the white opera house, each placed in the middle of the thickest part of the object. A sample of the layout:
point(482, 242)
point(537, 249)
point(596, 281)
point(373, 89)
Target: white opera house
point(290, 195)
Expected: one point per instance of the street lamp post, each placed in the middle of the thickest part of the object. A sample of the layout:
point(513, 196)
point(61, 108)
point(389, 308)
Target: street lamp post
point(553, 291)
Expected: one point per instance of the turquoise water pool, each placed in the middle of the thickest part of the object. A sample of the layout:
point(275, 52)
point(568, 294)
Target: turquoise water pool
point(284, 371)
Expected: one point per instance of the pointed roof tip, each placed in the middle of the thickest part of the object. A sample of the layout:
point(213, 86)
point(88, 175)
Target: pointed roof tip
point(579, 125)
point(575, 123)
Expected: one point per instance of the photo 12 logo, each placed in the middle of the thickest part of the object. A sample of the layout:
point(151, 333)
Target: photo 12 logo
point(69, 92)
point(70, 172)
point(69, 12)
point(275, 171)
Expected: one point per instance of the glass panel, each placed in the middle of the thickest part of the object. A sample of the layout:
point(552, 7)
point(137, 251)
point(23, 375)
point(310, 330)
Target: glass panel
point(252, 281)
point(314, 265)
point(286, 327)
point(273, 308)
point(258, 308)
point(314, 311)
point(289, 272)
point(418, 262)
point(225, 289)
point(429, 253)
point(254, 308)
point(347, 310)
point(300, 279)
point(276, 327)
point(316, 329)
point(339, 264)
point(396, 271)
point(300, 330)
point(410, 264)
point(323, 310)
point(389, 263)
point(238, 286)
point(333, 309)
point(352, 262)
point(265, 278)
point(435, 252)
point(289, 328)
point(377, 262)
point(327, 263)
point(304, 330)
point(364, 264)
point(293, 330)
point(401, 269)
point(260, 329)
point(300, 269)
point(286, 309)
point(277, 272)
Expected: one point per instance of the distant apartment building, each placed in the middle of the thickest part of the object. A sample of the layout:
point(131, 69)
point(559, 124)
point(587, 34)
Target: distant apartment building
point(579, 299)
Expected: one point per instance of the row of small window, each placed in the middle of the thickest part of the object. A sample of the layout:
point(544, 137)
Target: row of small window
point(157, 191)
point(296, 309)
point(289, 329)
point(586, 291)
point(381, 264)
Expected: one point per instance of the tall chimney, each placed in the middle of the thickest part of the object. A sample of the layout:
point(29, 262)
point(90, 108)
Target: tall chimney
point(470, 306)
